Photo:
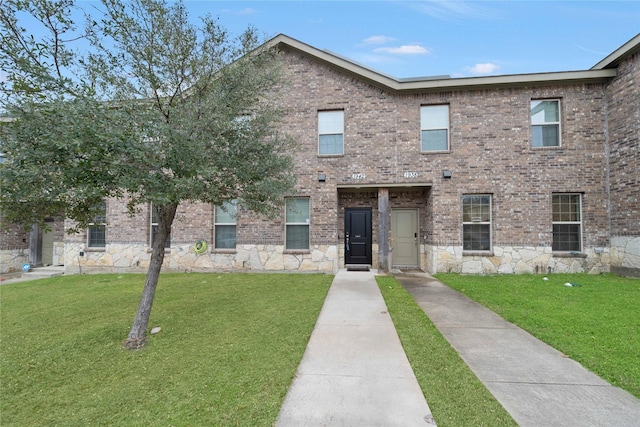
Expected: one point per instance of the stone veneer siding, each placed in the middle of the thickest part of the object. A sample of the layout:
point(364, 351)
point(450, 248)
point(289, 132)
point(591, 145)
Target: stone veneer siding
point(12, 260)
point(517, 260)
point(255, 258)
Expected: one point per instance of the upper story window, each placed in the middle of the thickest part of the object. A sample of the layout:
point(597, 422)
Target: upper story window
point(297, 223)
point(225, 226)
point(153, 220)
point(567, 222)
point(330, 132)
point(476, 222)
point(434, 126)
point(96, 234)
point(545, 123)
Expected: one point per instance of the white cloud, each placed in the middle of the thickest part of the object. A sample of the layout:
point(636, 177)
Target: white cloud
point(409, 49)
point(486, 68)
point(247, 11)
point(378, 40)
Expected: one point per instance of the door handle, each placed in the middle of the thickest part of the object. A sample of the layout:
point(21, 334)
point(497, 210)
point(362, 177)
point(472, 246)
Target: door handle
point(347, 244)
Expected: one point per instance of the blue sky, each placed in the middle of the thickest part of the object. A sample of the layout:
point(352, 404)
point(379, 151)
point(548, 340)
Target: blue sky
point(456, 38)
point(459, 38)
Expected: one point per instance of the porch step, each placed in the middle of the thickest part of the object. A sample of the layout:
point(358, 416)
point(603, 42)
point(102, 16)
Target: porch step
point(358, 267)
point(42, 272)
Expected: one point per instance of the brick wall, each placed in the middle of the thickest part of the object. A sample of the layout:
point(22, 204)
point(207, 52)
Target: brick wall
point(490, 150)
point(490, 153)
point(624, 144)
point(14, 247)
point(12, 237)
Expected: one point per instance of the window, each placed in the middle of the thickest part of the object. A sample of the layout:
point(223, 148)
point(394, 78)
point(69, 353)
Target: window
point(567, 222)
point(154, 227)
point(297, 223)
point(545, 123)
point(96, 235)
point(476, 222)
point(225, 226)
point(434, 126)
point(330, 132)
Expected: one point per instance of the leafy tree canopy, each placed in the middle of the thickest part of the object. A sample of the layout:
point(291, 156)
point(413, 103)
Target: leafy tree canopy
point(139, 101)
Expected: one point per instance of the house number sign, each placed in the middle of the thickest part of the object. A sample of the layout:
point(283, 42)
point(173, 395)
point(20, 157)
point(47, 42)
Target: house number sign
point(358, 176)
point(411, 174)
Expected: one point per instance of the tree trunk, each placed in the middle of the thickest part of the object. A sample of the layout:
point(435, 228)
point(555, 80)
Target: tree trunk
point(138, 334)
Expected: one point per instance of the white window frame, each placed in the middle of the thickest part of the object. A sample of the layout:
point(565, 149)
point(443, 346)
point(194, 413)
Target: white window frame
point(99, 221)
point(544, 123)
point(331, 128)
point(431, 119)
point(477, 220)
point(306, 223)
point(232, 209)
point(577, 222)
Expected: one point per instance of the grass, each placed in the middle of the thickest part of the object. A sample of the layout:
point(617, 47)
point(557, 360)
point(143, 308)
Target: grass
point(455, 395)
point(596, 324)
point(228, 350)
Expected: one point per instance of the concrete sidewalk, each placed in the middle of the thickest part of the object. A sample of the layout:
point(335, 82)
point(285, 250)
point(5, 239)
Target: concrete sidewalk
point(354, 371)
point(535, 383)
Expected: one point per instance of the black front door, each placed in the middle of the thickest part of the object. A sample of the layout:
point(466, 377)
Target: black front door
point(357, 236)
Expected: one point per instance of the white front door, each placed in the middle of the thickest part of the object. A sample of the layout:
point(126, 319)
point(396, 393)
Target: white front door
point(404, 235)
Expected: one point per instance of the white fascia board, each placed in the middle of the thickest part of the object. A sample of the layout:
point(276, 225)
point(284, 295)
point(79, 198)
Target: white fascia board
point(511, 80)
point(616, 56)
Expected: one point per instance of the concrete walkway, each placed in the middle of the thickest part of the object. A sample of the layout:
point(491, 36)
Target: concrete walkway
point(354, 371)
point(34, 274)
point(535, 383)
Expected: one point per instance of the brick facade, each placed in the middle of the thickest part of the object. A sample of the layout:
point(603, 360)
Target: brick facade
point(383, 169)
point(623, 126)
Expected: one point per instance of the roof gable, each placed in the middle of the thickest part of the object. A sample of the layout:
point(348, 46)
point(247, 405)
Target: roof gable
point(603, 71)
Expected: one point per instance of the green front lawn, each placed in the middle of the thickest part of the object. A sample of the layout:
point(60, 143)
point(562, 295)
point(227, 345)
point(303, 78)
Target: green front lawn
point(228, 350)
point(596, 323)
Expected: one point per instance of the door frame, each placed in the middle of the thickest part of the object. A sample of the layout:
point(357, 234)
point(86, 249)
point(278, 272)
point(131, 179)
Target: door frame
point(417, 236)
point(368, 241)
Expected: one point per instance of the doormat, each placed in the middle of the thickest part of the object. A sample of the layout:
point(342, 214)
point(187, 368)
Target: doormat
point(358, 267)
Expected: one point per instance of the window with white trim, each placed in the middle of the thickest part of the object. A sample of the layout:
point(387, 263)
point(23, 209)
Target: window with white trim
point(476, 222)
point(331, 132)
point(225, 225)
point(97, 232)
point(545, 123)
point(434, 128)
point(567, 222)
point(153, 220)
point(297, 223)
